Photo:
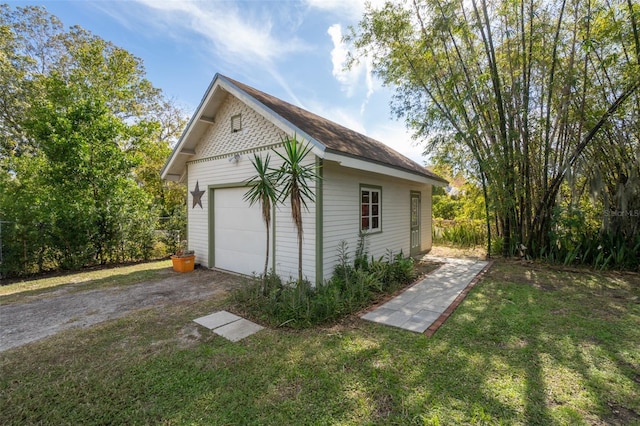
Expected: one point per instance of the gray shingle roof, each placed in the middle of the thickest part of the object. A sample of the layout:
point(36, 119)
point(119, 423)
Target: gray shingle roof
point(336, 138)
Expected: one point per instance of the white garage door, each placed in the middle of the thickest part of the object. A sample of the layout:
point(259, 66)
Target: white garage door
point(239, 232)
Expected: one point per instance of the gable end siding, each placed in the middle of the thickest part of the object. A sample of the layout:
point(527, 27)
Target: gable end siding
point(212, 169)
point(220, 140)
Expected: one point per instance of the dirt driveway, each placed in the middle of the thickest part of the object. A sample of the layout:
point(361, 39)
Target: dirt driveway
point(50, 312)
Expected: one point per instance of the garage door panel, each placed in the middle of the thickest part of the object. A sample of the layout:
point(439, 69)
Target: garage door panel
point(240, 218)
point(237, 241)
point(241, 262)
point(239, 232)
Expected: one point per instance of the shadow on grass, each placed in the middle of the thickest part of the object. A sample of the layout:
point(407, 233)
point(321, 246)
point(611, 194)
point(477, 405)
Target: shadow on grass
point(514, 352)
point(102, 278)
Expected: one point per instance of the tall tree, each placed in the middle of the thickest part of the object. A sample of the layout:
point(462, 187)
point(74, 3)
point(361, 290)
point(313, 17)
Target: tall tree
point(293, 180)
point(79, 127)
point(262, 190)
point(526, 88)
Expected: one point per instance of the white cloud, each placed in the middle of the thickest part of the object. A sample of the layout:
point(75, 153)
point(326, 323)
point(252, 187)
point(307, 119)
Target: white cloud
point(236, 35)
point(359, 76)
point(244, 39)
point(395, 135)
point(350, 9)
point(350, 79)
point(339, 53)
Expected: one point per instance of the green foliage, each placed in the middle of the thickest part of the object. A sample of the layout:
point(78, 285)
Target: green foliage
point(469, 233)
point(262, 189)
point(576, 240)
point(353, 286)
point(464, 201)
point(83, 135)
point(496, 244)
point(525, 96)
point(173, 229)
point(294, 180)
point(294, 176)
point(459, 216)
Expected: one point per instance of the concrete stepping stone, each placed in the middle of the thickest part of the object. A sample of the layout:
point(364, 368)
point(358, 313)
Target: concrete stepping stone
point(228, 325)
point(217, 319)
point(238, 330)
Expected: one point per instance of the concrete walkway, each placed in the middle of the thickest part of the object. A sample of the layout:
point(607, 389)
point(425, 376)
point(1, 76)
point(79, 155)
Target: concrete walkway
point(424, 306)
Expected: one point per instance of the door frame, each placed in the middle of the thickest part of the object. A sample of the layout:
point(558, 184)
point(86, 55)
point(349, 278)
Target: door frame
point(415, 223)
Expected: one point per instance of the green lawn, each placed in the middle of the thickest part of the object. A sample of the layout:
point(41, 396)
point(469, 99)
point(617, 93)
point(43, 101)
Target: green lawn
point(529, 345)
point(90, 279)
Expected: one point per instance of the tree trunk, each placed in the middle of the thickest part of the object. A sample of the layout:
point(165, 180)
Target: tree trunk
point(486, 209)
point(266, 266)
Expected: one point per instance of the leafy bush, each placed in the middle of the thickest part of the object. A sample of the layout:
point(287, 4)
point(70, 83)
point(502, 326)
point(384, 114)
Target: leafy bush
point(465, 233)
point(575, 239)
point(353, 286)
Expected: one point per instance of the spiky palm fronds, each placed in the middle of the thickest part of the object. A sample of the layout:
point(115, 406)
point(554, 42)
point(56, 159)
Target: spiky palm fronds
point(262, 190)
point(293, 180)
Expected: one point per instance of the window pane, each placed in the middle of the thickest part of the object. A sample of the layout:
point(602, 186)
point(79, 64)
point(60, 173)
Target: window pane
point(370, 209)
point(415, 211)
point(236, 123)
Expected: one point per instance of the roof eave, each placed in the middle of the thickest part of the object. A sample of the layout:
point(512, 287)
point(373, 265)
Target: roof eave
point(361, 163)
point(220, 81)
point(164, 174)
point(174, 169)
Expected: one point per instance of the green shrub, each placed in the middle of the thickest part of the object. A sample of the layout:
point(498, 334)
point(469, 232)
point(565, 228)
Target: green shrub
point(574, 239)
point(353, 286)
point(465, 233)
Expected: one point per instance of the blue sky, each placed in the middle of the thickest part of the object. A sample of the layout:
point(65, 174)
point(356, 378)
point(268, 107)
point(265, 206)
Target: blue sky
point(289, 49)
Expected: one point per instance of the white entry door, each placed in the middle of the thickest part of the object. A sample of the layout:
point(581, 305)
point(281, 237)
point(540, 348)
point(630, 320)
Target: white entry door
point(239, 233)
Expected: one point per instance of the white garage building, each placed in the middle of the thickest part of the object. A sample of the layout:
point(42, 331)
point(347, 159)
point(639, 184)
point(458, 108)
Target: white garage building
point(364, 185)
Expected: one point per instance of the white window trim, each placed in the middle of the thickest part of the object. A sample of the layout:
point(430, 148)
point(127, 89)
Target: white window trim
point(236, 123)
point(370, 216)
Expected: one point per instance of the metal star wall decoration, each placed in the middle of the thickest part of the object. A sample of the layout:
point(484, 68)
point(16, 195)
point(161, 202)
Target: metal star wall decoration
point(197, 196)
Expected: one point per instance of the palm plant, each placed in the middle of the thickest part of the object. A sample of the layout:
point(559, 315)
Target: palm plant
point(262, 190)
point(293, 179)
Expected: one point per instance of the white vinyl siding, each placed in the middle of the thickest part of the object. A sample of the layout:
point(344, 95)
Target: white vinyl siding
point(342, 216)
point(287, 243)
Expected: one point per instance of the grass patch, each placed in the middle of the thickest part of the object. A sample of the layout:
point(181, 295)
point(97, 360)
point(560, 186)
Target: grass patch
point(529, 345)
point(92, 279)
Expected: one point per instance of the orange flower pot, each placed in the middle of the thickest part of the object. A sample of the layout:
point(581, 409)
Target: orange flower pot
point(183, 263)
